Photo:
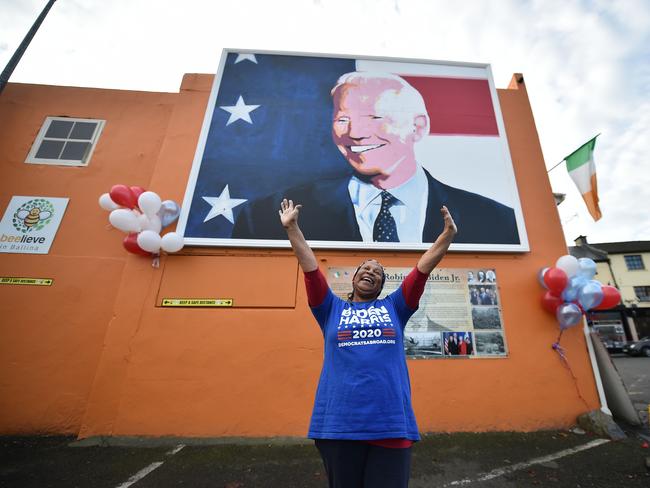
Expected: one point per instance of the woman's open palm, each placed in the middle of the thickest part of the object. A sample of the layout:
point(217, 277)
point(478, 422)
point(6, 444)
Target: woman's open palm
point(289, 213)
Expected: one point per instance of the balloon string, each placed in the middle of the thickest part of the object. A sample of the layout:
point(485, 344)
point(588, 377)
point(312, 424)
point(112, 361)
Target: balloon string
point(560, 350)
point(156, 261)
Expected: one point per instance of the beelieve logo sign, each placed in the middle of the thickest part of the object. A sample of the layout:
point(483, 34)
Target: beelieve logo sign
point(30, 224)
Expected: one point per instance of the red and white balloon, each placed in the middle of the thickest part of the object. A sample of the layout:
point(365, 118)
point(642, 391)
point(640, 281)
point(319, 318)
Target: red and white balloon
point(142, 215)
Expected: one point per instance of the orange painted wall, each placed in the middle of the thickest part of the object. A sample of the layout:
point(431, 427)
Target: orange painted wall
point(51, 338)
point(98, 356)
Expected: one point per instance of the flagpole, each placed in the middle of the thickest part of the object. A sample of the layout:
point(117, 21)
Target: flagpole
point(13, 62)
point(549, 170)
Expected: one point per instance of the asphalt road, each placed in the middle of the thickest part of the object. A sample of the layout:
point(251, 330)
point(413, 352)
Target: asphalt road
point(635, 373)
point(489, 460)
point(559, 459)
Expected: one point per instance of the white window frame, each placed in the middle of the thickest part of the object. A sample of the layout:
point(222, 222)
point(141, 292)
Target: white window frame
point(32, 159)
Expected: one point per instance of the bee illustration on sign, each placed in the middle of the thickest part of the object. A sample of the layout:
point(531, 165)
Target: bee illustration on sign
point(33, 215)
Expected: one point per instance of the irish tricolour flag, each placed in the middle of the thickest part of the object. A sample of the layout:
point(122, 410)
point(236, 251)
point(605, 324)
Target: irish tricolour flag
point(582, 169)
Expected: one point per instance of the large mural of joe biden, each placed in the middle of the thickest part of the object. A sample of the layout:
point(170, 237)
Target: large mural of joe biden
point(354, 141)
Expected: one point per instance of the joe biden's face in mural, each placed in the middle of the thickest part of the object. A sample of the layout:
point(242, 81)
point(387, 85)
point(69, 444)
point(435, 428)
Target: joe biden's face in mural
point(374, 131)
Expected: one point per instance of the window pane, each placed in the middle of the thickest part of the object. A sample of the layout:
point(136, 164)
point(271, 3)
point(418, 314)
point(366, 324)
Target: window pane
point(75, 150)
point(642, 293)
point(59, 129)
point(50, 149)
point(83, 130)
point(634, 261)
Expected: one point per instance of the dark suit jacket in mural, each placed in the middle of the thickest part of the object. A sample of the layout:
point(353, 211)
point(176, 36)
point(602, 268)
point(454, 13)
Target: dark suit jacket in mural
point(328, 215)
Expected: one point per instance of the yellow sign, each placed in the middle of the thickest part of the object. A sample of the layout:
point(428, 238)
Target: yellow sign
point(197, 302)
point(11, 280)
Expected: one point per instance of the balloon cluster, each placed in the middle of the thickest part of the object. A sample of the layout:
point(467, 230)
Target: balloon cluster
point(572, 290)
point(142, 215)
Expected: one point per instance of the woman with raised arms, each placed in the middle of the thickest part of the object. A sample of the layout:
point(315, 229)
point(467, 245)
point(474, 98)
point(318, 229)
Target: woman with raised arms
point(363, 422)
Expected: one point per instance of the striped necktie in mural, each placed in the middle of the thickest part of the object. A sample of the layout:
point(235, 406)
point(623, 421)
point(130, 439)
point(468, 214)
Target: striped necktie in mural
point(385, 229)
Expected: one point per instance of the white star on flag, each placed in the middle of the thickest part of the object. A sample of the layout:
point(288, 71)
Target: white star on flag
point(239, 111)
point(223, 205)
point(244, 57)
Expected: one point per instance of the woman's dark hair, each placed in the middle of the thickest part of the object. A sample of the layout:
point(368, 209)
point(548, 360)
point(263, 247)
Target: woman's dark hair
point(383, 278)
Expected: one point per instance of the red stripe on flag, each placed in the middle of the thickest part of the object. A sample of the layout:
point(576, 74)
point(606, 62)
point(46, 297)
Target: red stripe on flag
point(457, 105)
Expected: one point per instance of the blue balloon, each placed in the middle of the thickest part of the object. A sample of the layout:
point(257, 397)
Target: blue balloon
point(591, 295)
point(169, 212)
point(587, 268)
point(570, 293)
point(568, 315)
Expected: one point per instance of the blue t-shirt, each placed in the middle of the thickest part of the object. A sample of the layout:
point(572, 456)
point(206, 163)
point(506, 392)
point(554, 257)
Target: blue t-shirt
point(364, 392)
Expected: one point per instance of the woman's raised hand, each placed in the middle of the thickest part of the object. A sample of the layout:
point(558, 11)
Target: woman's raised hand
point(289, 213)
point(450, 226)
point(430, 259)
point(289, 218)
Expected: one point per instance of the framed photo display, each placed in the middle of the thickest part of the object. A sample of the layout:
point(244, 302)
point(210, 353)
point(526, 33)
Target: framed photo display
point(459, 314)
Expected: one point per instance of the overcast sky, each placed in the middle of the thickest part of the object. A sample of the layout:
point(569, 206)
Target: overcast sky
point(586, 65)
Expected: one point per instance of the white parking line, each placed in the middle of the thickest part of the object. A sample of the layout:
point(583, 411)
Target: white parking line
point(516, 467)
point(152, 467)
point(176, 449)
point(140, 474)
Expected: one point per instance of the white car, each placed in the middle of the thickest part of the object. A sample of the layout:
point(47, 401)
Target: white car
point(612, 335)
